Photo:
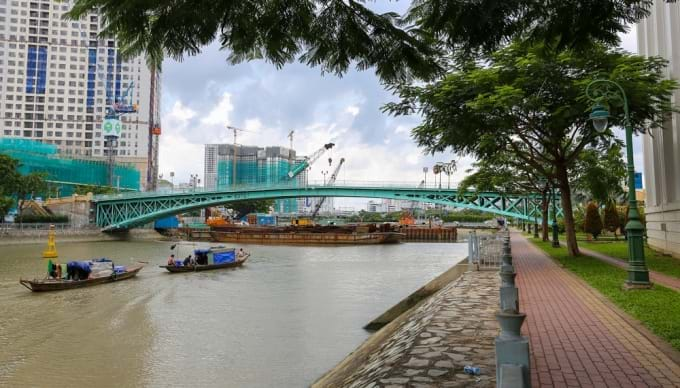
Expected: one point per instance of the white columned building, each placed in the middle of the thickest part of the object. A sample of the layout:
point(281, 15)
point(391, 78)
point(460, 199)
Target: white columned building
point(659, 35)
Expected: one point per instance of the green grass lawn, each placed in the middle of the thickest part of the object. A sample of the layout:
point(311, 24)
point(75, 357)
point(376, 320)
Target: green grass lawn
point(619, 250)
point(658, 309)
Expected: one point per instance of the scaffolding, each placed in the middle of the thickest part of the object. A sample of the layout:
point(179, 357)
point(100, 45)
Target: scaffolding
point(66, 173)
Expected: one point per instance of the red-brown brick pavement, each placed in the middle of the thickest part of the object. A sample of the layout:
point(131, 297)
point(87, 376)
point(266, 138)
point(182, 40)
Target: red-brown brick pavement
point(577, 338)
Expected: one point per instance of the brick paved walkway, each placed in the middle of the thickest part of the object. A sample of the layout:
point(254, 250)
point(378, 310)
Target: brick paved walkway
point(577, 338)
point(655, 277)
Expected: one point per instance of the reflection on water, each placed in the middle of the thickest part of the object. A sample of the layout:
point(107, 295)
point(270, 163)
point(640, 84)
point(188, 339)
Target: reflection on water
point(283, 319)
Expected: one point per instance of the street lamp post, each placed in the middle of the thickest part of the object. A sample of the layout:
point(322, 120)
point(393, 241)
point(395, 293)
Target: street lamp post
point(425, 172)
point(172, 180)
point(638, 275)
point(555, 239)
point(194, 181)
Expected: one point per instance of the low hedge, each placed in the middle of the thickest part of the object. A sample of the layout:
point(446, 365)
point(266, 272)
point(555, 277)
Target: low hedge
point(35, 219)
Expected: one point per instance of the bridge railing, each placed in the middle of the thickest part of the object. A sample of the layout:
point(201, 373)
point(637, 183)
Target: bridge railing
point(284, 185)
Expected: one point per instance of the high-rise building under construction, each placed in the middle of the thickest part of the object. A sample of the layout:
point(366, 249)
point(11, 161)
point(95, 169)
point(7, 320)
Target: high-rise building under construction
point(254, 166)
point(59, 76)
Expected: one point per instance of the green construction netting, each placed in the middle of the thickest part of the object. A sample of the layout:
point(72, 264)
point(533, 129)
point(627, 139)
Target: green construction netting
point(38, 157)
point(253, 171)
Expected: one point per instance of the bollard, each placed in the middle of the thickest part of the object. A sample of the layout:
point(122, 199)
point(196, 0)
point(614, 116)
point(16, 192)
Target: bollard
point(511, 347)
point(470, 249)
point(506, 265)
point(509, 295)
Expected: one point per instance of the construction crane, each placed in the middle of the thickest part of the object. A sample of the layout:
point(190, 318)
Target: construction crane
point(112, 127)
point(309, 160)
point(330, 182)
point(233, 164)
point(290, 150)
point(125, 105)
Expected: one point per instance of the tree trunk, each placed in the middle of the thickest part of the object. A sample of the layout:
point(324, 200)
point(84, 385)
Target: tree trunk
point(545, 206)
point(565, 194)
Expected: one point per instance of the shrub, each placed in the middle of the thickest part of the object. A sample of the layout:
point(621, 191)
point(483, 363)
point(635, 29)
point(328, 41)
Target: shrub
point(34, 219)
point(467, 218)
point(593, 221)
point(579, 218)
point(611, 218)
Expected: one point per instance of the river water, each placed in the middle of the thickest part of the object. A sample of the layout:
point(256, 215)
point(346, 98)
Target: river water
point(282, 320)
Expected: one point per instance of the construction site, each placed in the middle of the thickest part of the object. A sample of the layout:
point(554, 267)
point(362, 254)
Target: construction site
point(65, 173)
point(230, 165)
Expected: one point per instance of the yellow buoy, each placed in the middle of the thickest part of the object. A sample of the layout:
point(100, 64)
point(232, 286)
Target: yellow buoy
point(51, 251)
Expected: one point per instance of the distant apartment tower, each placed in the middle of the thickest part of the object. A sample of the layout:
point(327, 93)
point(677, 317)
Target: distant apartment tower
point(659, 35)
point(254, 166)
point(58, 76)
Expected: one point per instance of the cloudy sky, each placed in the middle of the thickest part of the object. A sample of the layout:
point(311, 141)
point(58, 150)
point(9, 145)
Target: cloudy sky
point(203, 94)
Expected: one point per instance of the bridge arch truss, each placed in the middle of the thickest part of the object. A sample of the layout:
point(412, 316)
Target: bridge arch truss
point(123, 211)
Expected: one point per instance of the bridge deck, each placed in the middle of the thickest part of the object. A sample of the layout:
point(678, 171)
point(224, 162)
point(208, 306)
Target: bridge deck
point(127, 210)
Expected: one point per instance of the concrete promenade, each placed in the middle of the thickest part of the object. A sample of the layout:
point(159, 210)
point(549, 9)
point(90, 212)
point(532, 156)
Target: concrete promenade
point(578, 338)
point(429, 345)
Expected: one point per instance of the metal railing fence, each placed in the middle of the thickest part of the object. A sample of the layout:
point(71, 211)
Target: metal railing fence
point(485, 251)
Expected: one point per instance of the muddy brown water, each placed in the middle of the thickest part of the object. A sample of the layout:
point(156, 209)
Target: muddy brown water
point(286, 317)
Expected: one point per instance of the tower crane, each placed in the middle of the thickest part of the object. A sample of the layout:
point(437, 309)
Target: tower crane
point(309, 160)
point(330, 182)
point(233, 164)
point(125, 105)
point(112, 126)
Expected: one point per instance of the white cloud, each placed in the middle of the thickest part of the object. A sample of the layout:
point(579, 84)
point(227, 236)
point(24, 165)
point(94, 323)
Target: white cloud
point(184, 159)
point(353, 110)
point(219, 115)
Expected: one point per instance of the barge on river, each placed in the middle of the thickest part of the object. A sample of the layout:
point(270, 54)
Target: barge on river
point(302, 236)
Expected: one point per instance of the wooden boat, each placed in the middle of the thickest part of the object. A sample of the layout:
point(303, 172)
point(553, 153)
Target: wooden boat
point(207, 267)
point(41, 285)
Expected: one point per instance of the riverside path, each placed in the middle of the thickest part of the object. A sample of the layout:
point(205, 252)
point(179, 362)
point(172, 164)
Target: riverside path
point(655, 277)
point(577, 337)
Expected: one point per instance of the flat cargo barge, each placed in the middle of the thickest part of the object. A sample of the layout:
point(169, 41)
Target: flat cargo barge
point(305, 238)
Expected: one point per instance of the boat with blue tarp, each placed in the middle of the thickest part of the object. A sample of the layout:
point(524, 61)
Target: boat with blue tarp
point(208, 259)
point(83, 273)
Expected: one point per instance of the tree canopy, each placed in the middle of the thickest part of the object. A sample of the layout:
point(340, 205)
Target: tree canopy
point(529, 102)
point(243, 208)
point(13, 185)
point(336, 34)
point(600, 173)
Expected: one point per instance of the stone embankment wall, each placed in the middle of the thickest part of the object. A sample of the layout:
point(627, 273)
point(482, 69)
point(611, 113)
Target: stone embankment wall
point(77, 208)
point(431, 344)
point(84, 234)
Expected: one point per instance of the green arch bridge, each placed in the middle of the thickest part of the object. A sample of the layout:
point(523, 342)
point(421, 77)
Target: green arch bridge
point(128, 210)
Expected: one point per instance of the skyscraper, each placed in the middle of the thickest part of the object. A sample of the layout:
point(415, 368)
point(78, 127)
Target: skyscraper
point(254, 166)
point(57, 77)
